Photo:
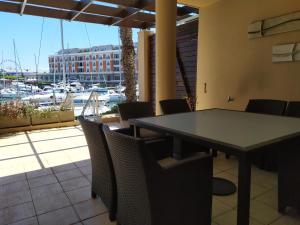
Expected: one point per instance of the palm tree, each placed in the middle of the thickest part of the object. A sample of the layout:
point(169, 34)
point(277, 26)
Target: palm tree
point(128, 63)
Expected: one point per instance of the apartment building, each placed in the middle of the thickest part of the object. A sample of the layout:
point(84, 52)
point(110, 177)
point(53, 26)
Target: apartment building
point(98, 64)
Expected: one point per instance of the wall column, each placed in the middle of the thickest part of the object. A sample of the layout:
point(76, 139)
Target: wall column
point(143, 67)
point(166, 12)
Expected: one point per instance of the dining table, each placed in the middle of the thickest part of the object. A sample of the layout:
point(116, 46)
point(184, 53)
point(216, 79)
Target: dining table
point(237, 133)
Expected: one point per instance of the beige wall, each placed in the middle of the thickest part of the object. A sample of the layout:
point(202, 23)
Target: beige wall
point(233, 65)
point(197, 3)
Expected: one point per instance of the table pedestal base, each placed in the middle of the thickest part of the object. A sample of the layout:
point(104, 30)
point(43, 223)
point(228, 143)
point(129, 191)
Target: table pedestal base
point(223, 187)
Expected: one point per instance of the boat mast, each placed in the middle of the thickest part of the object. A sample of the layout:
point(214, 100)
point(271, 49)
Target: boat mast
point(63, 52)
point(16, 68)
point(54, 71)
point(2, 70)
point(120, 71)
point(36, 67)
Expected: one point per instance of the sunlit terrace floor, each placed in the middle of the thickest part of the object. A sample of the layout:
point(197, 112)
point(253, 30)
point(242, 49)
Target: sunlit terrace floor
point(45, 178)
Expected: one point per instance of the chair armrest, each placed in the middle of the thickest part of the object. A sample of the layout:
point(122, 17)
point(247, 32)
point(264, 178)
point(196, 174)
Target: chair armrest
point(160, 147)
point(187, 171)
point(189, 163)
point(126, 131)
point(188, 181)
point(196, 170)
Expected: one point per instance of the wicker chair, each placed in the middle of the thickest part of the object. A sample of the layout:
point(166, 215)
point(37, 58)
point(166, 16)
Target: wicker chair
point(268, 159)
point(172, 106)
point(103, 176)
point(289, 167)
point(165, 192)
point(293, 109)
point(132, 110)
point(266, 106)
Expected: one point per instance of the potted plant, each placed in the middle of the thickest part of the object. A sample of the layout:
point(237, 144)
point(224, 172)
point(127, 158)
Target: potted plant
point(14, 114)
point(45, 116)
point(66, 114)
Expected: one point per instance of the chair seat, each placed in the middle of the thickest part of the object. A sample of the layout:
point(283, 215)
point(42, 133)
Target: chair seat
point(168, 162)
point(145, 133)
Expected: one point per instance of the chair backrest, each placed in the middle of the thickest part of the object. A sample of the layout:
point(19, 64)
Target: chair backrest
point(172, 106)
point(131, 110)
point(266, 106)
point(103, 176)
point(293, 109)
point(130, 162)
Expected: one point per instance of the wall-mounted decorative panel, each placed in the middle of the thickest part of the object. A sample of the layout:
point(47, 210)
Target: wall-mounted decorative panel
point(276, 25)
point(286, 53)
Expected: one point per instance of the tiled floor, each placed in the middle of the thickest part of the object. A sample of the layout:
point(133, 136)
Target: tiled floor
point(45, 179)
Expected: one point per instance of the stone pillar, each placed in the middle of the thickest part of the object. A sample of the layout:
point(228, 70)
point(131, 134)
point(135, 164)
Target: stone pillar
point(166, 11)
point(143, 65)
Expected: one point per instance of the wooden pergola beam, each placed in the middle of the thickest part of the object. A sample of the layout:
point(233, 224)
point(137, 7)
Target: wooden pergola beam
point(138, 4)
point(148, 5)
point(23, 7)
point(103, 10)
point(63, 14)
point(85, 4)
point(130, 13)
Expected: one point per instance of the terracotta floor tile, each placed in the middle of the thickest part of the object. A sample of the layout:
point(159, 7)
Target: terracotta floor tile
point(51, 203)
point(65, 216)
point(41, 181)
point(76, 183)
point(16, 213)
point(99, 220)
point(67, 175)
point(90, 208)
point(46, 190)
point(79, 195)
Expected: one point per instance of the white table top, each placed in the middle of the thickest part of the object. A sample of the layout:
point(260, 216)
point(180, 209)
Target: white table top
point(235, 129)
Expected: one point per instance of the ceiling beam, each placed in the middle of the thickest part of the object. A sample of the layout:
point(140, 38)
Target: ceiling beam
point(93, 9)
point(63, 14)
point(85, 4)
point(129, 13)
point(148, 5)
point(23, 7)
point(132, 13)
point(139, 4)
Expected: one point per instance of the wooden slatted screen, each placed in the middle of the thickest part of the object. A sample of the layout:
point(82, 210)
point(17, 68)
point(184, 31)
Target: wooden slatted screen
point(187, 42)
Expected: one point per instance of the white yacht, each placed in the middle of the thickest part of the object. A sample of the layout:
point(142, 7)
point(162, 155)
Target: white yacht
point(112, 95)
point(75, 87)
point(8, 93)
point(48, 96)
point(82, 99)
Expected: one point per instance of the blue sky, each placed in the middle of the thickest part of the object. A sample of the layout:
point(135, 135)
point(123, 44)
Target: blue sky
point(26, 30)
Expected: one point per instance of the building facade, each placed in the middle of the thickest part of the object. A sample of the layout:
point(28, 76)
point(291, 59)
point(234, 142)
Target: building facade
point(99, 64)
